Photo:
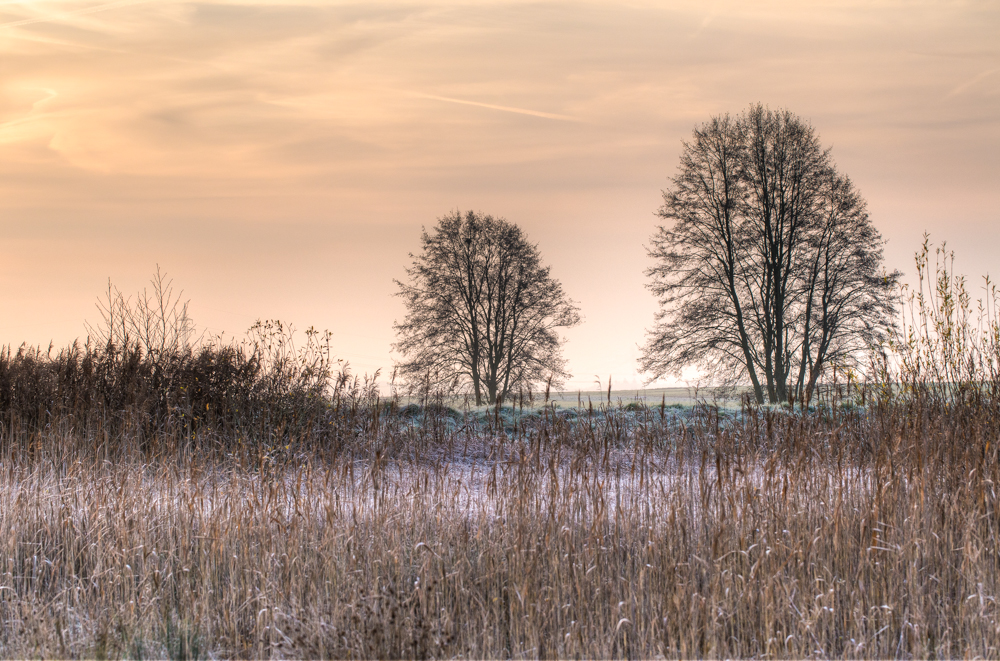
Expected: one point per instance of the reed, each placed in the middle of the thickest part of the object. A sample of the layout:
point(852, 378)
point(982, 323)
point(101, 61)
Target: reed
point(849, 533)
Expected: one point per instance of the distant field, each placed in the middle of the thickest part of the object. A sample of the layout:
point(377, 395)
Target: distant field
point(584, 398)
point(650, 397)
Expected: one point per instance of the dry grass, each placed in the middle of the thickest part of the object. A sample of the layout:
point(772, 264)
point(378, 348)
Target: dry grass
point(849, 533)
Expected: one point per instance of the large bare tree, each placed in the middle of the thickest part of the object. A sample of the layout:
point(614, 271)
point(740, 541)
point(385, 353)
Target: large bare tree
point(482, 310)
point(770, 269)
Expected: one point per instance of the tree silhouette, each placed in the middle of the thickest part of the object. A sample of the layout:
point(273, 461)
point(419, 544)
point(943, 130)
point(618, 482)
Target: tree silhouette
point(482, 310)
point(770, 268)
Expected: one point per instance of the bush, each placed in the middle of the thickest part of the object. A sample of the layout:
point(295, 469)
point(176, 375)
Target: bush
point(144, 376)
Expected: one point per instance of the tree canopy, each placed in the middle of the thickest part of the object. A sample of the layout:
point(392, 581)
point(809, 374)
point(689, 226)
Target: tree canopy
point(482, 311)
point(769, 268)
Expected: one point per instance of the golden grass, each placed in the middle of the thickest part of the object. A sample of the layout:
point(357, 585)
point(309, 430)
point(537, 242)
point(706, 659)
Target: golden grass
point(848, 533)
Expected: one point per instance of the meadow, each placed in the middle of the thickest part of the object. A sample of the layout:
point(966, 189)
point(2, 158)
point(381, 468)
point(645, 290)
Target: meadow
point(165, 500)
point(375, 531)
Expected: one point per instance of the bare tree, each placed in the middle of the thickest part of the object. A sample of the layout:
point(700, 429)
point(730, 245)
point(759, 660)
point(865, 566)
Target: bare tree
point(770, 270)
point(482, 310)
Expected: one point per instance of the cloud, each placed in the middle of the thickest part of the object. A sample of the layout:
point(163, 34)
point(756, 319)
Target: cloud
point(64, 16)
point(970, 83)
point(492, 106)
point(706, 22)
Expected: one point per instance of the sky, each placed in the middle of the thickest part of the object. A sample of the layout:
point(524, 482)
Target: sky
point(279, 159)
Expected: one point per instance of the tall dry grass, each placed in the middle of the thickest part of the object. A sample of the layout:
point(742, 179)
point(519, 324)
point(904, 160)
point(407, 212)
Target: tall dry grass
point(850, 534)
point(865, 528)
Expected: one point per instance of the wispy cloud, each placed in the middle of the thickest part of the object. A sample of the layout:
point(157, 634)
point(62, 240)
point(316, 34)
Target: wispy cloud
point(49, 95)
point(970, 83)
point(14, 130)
point(62, 16)
point(706, 22)
point(493, 106)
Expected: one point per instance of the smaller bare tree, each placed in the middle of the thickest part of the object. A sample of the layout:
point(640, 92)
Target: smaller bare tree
point(482, 311)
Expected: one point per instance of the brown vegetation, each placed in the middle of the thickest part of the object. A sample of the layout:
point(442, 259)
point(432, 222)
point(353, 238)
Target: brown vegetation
point(856, 533)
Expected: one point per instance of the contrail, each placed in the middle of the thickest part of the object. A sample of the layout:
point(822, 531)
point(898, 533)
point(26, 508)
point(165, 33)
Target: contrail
point(491, 106)
point(71, 14)
point(966, 85)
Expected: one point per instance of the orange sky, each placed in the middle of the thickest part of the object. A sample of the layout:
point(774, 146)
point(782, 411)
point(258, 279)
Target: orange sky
point(279, 158)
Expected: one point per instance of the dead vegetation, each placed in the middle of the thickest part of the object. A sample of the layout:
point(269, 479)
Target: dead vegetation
point(848, 532)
